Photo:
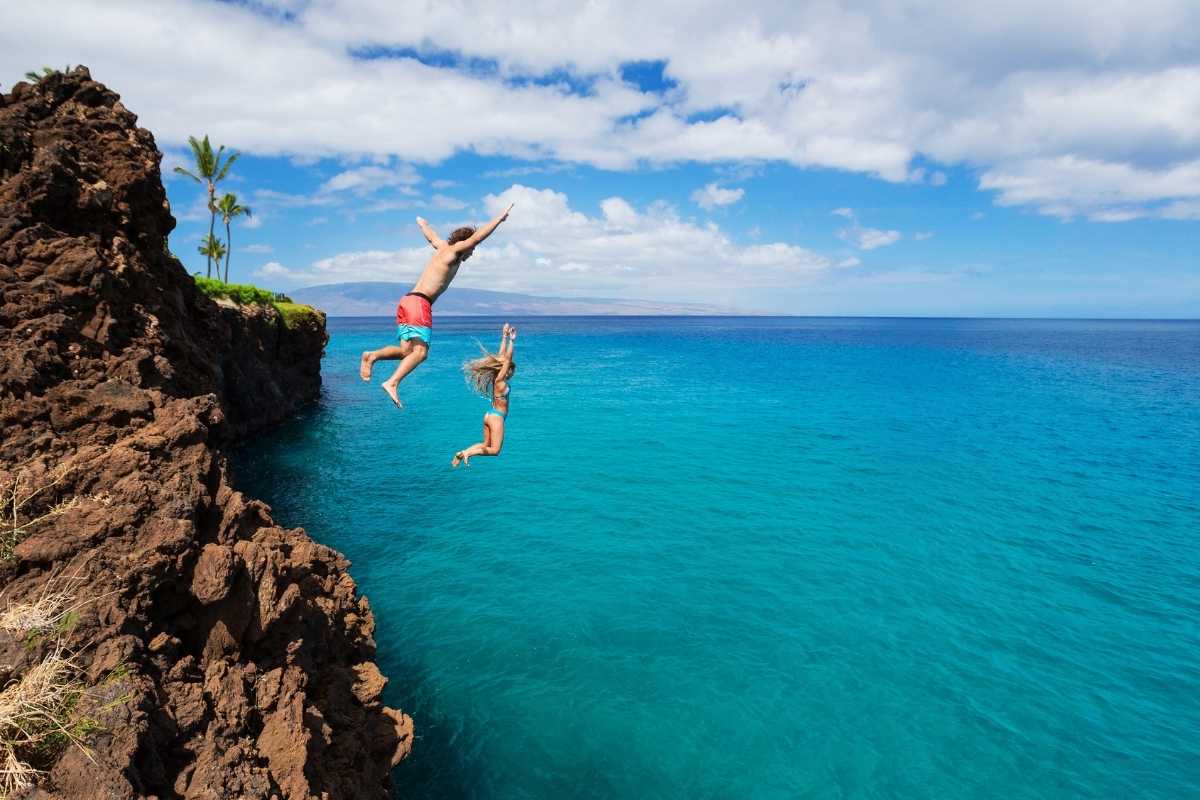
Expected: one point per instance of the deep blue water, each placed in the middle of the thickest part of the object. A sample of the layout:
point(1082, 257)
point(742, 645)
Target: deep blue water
point(776, 558)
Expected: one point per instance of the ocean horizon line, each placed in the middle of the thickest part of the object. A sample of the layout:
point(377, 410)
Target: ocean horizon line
point(516, 315)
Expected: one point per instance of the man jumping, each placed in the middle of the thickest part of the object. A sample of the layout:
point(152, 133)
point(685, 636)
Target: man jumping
point(414, 314)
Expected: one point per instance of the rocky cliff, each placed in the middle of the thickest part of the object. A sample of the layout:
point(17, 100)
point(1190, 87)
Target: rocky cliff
point(223, 656)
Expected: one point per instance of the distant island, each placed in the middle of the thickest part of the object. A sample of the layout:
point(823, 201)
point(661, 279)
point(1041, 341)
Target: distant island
point(378, 299)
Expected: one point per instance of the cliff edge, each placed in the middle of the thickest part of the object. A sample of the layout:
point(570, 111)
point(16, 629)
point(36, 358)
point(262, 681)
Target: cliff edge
point(222, 655)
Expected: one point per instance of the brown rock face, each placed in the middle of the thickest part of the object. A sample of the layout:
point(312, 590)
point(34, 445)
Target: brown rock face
point(229, 657)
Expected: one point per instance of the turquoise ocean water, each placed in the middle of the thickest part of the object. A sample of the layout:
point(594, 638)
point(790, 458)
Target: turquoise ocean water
point(775, 558)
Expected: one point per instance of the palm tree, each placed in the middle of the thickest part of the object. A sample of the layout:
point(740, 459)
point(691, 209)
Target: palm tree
point(213, 248)
point(211, 171)
point(46, 72)
point(229, 208)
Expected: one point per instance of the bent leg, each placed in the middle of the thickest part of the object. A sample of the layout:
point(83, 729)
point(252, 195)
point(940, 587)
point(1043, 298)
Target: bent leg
point(390, 353)
point(410, 362)
point(464, 456)
point(493, 440)
point(495, 437)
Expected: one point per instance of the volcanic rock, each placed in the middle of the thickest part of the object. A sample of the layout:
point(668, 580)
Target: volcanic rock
point(226, 656)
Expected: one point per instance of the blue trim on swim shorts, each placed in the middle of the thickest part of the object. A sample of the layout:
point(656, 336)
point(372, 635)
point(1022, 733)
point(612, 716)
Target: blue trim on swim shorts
point(405, 332)
point(500, 414)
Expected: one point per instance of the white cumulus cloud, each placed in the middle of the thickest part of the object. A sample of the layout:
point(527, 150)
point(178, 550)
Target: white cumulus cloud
point(1072, 108)
point(547, 247)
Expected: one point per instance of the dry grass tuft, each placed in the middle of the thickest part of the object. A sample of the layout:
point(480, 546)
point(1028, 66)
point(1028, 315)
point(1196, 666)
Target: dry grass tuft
point(16, 777)
point(35, 722)
point(48, 612)
point(15, 497)
point(51, 612)
point(37, 713)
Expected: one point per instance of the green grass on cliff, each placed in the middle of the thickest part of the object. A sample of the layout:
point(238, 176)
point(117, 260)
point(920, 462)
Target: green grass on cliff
point(294, 314)
point(241, 293)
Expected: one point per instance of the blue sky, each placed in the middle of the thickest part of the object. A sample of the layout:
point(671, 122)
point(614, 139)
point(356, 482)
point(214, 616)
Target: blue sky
point(874, 159)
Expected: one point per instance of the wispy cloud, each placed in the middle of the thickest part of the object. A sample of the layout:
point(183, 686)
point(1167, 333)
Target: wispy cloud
point(862, 237)
point(711, 196)
point(394, 204)
point(446, 203)
point(277, 199)
point(527, 170)
point(366, 180)
point(272, 269)
point(923, 175)
point(171, 159)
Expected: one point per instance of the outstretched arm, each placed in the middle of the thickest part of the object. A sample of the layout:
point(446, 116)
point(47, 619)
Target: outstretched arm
point(507, 336)
point(430, 234)
point(483, 232)
point(503, 340)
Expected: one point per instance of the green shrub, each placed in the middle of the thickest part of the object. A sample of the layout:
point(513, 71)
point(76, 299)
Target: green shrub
point(294, 314)
point(241, 293)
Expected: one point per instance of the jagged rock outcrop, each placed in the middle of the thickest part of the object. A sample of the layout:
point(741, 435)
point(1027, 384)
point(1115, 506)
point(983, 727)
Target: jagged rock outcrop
point(229, 657)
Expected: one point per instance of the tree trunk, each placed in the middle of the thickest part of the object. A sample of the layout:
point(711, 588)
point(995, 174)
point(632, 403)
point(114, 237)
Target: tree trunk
point(212, 221)
point(228, 249)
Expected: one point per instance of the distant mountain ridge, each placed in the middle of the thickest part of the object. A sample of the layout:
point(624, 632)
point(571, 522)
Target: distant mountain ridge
point(379, 298)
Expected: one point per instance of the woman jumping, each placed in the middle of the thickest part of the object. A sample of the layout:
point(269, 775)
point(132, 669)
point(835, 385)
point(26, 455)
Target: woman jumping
point(489, 375)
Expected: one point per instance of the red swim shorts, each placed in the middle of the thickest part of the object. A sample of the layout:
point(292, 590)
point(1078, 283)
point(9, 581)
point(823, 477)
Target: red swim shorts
point(414, 318)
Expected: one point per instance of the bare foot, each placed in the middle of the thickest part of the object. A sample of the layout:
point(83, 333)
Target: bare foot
point(391, 392)
point(364, 366)
point(466, 459)
point(458, 457)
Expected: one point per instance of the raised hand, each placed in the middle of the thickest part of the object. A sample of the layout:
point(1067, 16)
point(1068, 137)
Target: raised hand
point(504, 216)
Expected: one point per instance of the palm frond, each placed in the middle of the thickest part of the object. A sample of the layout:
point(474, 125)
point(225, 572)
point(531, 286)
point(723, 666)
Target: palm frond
point(202, 152)
point(211, 246)
point(228, 164)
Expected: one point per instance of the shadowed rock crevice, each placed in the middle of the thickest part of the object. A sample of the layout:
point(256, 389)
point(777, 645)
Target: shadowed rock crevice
point(235, 657)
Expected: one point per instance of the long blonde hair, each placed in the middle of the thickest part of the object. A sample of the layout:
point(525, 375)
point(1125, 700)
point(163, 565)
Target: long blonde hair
point(483, 372)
